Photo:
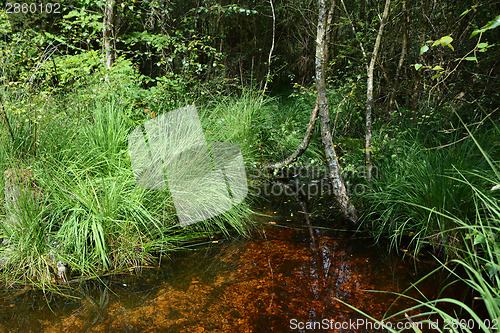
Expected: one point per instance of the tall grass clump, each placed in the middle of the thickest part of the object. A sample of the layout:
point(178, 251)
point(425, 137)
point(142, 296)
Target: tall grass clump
point(92, 217)
point(417, 188)
point(245, 120)
point(26, 253)
point(475, 246)
point(108, 130)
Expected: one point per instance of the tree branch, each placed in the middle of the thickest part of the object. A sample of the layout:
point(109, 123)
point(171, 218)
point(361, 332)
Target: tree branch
point(302, 147)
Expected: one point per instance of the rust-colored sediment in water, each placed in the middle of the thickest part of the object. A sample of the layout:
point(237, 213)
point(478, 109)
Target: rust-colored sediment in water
point(259, 285)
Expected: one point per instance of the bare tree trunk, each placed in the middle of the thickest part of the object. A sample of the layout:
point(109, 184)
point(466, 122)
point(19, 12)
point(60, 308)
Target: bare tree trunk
point(312, 122)
point(335, 33)
point(369, 91)
point(326, 136)
point(329, 21)
point(268, 77)
point(108, 32)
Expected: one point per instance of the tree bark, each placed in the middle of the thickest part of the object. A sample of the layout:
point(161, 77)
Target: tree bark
point(268, 77)
point(312, 122)
point(369, 91)
point(329, 21)
point(335, 174)
point(108, 32)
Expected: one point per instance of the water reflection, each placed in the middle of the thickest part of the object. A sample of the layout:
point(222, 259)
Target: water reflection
point(281, 276)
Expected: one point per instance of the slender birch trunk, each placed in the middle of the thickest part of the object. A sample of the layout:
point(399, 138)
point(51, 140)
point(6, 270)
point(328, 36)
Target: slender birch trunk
point(314, 116)
point(369, 91)
point(108, 32)
point(268, 77)
point(335, 174)
point(329, 21)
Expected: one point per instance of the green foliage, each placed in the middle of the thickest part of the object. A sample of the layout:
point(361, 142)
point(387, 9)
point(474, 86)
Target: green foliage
point(417, 189)
point(245, 120)
point(108, 131)
point(93, 216)
point(82, 26)
point(490, 25)
point(476, 247)
point(71, 71)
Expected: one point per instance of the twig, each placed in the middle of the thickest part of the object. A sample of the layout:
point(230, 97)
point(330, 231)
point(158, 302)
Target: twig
point(355, 33)
point(448, 144)
point(7, 120)
point(271, 50)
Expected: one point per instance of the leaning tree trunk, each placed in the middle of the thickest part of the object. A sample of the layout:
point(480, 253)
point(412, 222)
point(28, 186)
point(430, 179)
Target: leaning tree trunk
point(108, 32)
point(328, 36)
point(335, 174)
point(314, 116)
point(369, 91)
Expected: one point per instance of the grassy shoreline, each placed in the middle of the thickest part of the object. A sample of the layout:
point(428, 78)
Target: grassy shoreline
point(444, 201)
point(90, 215)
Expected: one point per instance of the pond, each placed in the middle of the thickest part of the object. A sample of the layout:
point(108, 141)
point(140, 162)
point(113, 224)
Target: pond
point(288, 274)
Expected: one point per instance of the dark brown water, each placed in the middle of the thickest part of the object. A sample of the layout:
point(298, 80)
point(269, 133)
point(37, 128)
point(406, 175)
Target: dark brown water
point(287, 275)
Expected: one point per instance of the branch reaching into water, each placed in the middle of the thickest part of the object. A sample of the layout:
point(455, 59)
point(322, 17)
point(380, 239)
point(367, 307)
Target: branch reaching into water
point(302, 147)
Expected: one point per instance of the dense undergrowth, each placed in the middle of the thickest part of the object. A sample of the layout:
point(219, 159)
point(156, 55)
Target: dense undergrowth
point(71, 148)
point(418, 185)
point(88, 212)
point(431, 192)
point(442, 196)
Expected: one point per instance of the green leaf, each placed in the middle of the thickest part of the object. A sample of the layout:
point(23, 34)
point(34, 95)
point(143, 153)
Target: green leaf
point(437, 75)
point(424, 49)
point(465, 12)
point(475, 32)
point(479, 239)
point(435, 43)
point(492, 24)
point(451, 47)
point(445, 40)
point(471, 59)
point(482, 45)
point(437, 68)
point(492, 269)
point(418, 66)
